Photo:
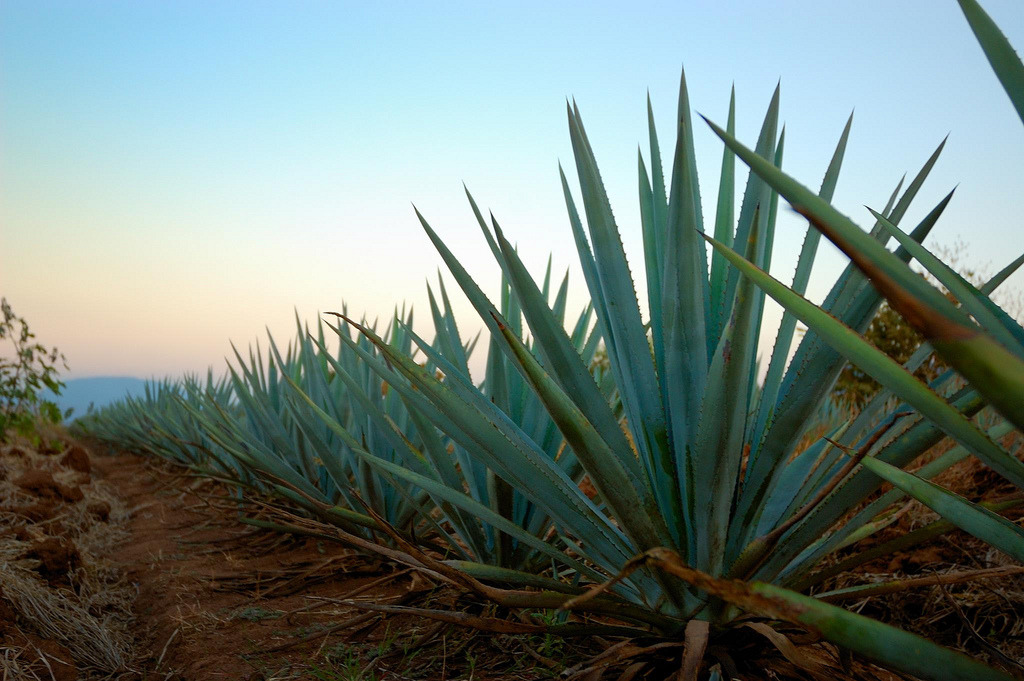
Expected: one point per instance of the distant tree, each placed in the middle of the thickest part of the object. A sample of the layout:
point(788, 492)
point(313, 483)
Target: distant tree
point(891, 334)
point(29, 369)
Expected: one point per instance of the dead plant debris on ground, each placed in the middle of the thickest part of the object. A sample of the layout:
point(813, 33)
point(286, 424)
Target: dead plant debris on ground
point(65, 611)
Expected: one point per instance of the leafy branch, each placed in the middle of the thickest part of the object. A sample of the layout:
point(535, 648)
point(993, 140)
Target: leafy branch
point(30, 368)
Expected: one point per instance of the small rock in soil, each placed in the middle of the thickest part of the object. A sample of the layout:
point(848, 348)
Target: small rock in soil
point(76, 459)
point(42, 484)
point(99, 510)
point(57, 558)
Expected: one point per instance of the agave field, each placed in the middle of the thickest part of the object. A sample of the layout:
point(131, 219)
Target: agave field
point(643, 468)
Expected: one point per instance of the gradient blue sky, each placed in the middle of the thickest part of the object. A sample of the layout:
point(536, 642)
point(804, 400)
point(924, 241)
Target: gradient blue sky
point(177, 174)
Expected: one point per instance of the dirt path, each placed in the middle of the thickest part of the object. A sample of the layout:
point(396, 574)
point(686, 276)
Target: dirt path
point(216, 598)
point(125, 568)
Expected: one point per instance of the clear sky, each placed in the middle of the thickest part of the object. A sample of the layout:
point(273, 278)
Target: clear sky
point(177, 174)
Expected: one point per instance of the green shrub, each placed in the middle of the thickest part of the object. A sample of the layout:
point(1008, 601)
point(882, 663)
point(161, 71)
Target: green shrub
point(30, 368)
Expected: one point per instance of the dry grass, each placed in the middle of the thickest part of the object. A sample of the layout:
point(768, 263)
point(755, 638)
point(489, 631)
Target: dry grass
point(62, 596)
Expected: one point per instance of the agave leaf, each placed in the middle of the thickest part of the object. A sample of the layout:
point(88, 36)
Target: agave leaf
point(335, 465)
point(623, 330)
point(684, 293)
point(851, 298)
point(884, 370)
point(659, 196)
point(809, 540)
point(813, 370)
point(860, 592)
point(453, 496)
point(805, 262)
point(564, 364)
point(504, 448)
point(721, 429)
point(928, 471)
point(441, 467)
point(447, 336)
point(755, 195)
point(652, 228)
point(989, 315)
point(476, 296)
point(766, 259)
point(790, 492)
point(724, 214)
point(902, 543)
point(773, 205)
point(1000, 52)
point(586, 260)
point(636, 511)
point(982, 523)
point(494, 573)
point(258, 456)
point(996, 373)
point(1002, 275)
point(882, 643)
point(870, 412)
point(820, 211)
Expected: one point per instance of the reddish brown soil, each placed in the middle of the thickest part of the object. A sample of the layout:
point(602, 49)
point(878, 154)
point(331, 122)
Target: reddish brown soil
point(58, 558)
point(76, 459)
point(214, 595)
point(41, 484)
point(221, 600)
point(45, 657)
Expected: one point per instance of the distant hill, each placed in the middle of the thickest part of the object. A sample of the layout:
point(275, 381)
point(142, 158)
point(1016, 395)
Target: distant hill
point(99, 391)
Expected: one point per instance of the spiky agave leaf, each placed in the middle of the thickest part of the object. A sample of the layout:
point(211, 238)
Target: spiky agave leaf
point(988, 349)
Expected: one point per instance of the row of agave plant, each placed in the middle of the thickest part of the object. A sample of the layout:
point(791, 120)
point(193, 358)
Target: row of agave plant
point(708, 502)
